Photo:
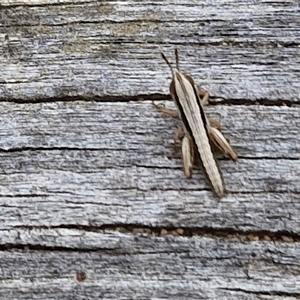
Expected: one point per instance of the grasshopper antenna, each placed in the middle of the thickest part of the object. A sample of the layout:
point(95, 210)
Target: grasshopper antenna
point(177, 59)
point(168, 63)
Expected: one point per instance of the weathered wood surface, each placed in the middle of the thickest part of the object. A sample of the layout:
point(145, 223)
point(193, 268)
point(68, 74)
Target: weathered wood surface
point(119, 265)
point(91, 207)
point(237, 49)
point(73, 173)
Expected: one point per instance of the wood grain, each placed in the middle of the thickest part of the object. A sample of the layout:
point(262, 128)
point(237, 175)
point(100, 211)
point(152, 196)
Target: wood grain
point(151, 267)
point(116, 171)
point(255, 131)
point(238, 51)
point(91, 205)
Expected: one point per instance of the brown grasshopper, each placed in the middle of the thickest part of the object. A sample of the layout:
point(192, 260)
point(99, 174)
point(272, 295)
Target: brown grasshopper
point(197, 132)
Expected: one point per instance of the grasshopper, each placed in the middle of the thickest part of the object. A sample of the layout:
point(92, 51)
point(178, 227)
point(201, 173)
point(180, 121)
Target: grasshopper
point(198, 132)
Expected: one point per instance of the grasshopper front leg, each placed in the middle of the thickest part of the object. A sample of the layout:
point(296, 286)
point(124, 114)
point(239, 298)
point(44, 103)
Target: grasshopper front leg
point(169, 112)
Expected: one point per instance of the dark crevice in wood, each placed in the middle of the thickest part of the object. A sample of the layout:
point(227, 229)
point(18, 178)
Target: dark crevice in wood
point(262, 192)
point(21, 196)
point(226, 233)
point(264, 293)
point(228, 192)
point(91, 98)
point(36, 4)
point(246, 102)
point(37, 149)
point(151, 97)
point(29, 247)
point(208, 231)
point(263, 157)
point(24, 149)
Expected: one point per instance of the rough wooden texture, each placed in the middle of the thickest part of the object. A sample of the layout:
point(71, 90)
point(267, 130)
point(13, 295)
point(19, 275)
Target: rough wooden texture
point(119, 265)
point(237, 49)
point(91, 207)
point(73, 172)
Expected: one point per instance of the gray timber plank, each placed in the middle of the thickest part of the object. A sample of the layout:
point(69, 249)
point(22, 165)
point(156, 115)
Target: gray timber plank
point(108, 162)
point(237, 50)
point(46, 170)
point(153, 267)
point(255, 131)
point(90, 205)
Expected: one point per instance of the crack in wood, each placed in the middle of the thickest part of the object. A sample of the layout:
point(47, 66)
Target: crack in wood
point(227, 233)
point(151, 97)
point(262, 293)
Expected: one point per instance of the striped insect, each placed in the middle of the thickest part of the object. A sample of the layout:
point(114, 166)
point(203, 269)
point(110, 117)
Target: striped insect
point(198, 132)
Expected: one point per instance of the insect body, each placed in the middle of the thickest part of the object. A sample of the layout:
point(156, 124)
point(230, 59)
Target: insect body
point(198, 130)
